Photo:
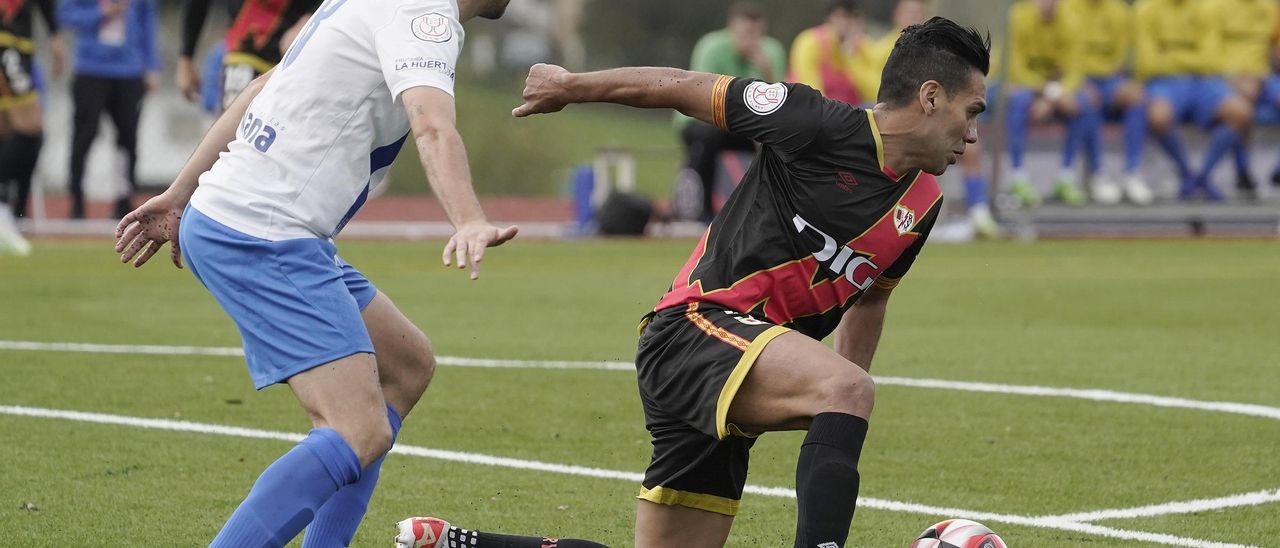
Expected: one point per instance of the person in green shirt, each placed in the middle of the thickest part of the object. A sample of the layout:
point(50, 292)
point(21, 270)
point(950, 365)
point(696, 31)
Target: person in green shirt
point(739, 49)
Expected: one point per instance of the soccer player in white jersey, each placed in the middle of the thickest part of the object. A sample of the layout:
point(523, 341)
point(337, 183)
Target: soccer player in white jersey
point(256, 208)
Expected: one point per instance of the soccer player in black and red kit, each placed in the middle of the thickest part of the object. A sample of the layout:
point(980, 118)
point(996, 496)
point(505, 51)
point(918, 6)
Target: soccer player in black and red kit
point(261, 31)
point(20, 104)
point(829, 217)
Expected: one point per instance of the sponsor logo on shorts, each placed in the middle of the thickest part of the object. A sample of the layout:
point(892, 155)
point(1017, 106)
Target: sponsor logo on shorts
point(432, 27)
point(422, 63)
point(903, 219)
point(764, 99)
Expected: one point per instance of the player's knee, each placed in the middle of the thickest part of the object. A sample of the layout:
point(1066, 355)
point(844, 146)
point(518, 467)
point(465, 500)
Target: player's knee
point(851, 391)
point(1160, 119)
point(371, 440)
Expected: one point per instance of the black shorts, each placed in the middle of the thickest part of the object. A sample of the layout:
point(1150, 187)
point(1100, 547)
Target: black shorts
point(690, 363)
point(17, 81)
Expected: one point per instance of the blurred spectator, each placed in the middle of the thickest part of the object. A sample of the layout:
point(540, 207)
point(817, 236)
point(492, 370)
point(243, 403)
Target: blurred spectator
point(1041, 85)
point(260, 34)
point(1178, 53)
point(1101, 35)
point(740, 49)
point(20, 96)
point(834, 57)
point(117, 64)
point(1245, 61)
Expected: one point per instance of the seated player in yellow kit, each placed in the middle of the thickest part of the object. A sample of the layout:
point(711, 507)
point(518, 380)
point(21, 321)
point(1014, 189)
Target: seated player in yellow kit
point(1102, 36)
point(1042, 85)
point(1177, 44)
point(1245, 62)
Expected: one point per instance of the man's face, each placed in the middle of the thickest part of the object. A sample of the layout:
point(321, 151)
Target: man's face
point(746, 34)
point(844, 24)
point(953, 125)
point(492, 9)
point(910, 12)
point(1046, 7)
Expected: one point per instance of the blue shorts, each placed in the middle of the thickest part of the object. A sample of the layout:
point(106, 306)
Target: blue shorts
point(297, 303)
point(1268, 108)
point(1107, 88)
point(1193, 99)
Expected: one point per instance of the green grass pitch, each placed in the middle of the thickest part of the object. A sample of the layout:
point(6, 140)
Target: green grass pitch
point(1177, 319)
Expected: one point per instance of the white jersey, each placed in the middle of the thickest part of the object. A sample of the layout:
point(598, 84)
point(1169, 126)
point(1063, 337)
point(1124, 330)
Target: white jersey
point(322, 133)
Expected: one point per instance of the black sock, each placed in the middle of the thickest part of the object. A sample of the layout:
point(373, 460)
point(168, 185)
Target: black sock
point(827, 479)
point(465, 538)
point(17, 163)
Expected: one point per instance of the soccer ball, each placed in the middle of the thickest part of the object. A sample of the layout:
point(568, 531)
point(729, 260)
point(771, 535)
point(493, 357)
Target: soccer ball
point(958, 533)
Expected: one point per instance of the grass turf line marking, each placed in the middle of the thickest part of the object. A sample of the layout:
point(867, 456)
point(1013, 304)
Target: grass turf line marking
point(475, 458)
point(1185, 507)
point(1248, 409)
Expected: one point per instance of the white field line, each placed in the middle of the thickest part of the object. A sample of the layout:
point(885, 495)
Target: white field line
point(1185, 507)
point(1247, 409)
point(474, 458)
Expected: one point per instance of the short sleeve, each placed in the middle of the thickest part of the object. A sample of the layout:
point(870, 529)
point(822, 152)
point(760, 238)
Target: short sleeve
point(892, 275)
point(419, 47)
point(787, 117)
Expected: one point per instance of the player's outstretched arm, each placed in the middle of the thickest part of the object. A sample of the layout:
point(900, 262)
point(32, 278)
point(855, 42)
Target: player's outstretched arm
point(858, 334)
point(143, 231)
point(444, 158)
point(550, 88)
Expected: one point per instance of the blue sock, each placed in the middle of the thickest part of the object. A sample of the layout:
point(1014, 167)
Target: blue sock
point(289, 492)
point(1223, 139)
point(1091, 140)
point(1172, 145)
point(1243, 167)
point(975, 189)
point(336, 522)
point(1017, 124)
point(1075, 138)
point(1135, 136)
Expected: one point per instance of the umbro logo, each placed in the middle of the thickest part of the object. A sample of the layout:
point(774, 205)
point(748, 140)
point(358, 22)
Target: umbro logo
point(828, 545)
point(846, 182)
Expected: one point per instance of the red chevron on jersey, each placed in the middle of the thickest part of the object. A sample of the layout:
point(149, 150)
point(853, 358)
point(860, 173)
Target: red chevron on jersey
point(10, 8)
point(828, 278)
point(258, 20)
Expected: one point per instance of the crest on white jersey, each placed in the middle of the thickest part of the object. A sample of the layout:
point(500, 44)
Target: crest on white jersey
point(764, 98)
point(432, 27)
point(903, 219)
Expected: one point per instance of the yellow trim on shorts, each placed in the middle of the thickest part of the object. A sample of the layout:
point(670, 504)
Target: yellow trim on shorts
point(698, 501)
point(16, 101)
point(24, 46)
point(242, 58)
point(735, 379)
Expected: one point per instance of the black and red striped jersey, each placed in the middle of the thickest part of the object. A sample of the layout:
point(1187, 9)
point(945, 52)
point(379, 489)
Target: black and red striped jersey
point(258, 28)
point(17, 22)
point(817, 219)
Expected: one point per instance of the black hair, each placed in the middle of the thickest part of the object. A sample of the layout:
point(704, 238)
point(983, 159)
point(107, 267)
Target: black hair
point(938, 50)
point(848, 6)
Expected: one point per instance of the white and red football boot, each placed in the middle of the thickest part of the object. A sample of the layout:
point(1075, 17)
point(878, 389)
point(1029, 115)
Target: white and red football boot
point(422, 533)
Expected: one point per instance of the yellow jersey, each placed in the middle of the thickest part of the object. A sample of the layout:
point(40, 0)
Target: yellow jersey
point(1175, 37)
point(1246, 27)
point(1101, 35)
point(1038, 48)
point(819, 60)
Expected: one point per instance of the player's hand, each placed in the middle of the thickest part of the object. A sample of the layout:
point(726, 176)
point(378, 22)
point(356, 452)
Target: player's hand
point(142, 232)
point(470, 241)
point(544, 91)
point(188, 79)
point(151, 81)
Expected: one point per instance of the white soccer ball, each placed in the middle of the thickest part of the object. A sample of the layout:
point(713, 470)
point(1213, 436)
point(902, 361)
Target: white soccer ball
point(958, 533)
